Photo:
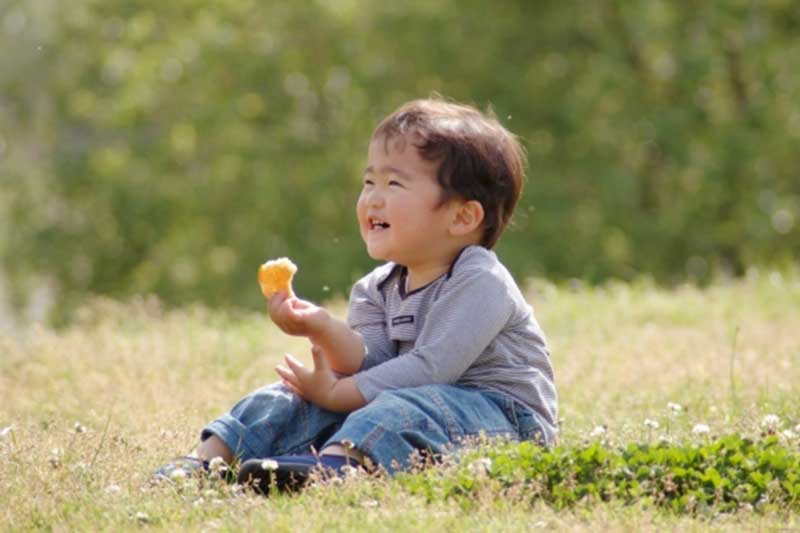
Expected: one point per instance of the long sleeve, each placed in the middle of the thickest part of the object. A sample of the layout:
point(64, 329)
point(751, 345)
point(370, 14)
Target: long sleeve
point(367, 317)
point(460, 325)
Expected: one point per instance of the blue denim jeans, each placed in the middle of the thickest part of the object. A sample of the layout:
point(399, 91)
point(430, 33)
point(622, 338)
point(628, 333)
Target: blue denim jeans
point(434, 418)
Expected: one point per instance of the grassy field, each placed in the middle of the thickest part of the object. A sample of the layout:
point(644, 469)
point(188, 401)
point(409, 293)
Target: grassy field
point(88, 412)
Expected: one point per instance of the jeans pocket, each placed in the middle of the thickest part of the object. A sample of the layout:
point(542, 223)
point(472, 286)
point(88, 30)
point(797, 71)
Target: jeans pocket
point(524, 420)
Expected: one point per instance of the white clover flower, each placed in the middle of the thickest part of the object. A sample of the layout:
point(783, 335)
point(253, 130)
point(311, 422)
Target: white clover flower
point(217, 464)
point(79, 428)
point(113, 489)
point(141, 516)
point(771, 423)
point(178, 474)
point(788, 434)
point(797, 428)
point(674, 407)
point(598, 431)
point(481, 466)
point(55, 457)
point(652, 424)
point(351, 471)
point(701, 429)
point(269, 464)
point(6, 432)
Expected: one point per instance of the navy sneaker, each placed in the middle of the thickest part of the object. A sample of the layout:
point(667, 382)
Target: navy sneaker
point(288, 473)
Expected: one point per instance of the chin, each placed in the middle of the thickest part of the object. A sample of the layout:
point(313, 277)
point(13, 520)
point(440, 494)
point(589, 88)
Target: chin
point(376, 254)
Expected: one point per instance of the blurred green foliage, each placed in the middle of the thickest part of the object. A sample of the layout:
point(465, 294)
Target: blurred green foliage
point(171, 147)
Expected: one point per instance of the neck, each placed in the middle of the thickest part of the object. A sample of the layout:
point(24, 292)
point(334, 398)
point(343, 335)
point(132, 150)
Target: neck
point(420, 275)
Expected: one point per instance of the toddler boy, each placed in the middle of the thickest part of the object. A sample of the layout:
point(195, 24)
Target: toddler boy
point(439, 343)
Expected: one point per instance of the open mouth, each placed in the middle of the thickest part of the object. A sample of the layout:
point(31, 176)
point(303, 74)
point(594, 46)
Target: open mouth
point(376, 223)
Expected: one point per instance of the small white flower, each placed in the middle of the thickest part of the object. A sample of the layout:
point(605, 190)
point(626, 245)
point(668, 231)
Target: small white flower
point(269, 464)
point(674, 407)
point(701, 429)
point(178, 474)
point(141, 516)
point(217, 464)
point(481, 466)
point(485, 462)
point(350, 471)
point(598, 431)
point(652, 424)
point(79, 428)
point(6, 432)
point(55, 457)
point(788, 434)
point(771, 423)
point(113, 489)
point(797, 428)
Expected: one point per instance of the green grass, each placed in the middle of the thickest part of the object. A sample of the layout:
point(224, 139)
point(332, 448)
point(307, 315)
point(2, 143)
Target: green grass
point(140, 381)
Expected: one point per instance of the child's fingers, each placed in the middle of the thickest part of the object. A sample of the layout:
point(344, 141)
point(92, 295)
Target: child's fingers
point(294, 362)
point(288, 380)
point(287, 375)
point(275, 302)
point(297, 304)
point(298, 368)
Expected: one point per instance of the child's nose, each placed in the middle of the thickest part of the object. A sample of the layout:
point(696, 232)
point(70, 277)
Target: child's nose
point(374, 198)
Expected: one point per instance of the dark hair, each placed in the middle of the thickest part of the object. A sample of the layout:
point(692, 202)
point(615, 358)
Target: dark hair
point(478, 158)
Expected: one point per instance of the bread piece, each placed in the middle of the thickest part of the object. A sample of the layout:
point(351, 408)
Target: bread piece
point(276, 276)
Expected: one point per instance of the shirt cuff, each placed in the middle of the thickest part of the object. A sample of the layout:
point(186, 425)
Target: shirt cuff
point(366, 387)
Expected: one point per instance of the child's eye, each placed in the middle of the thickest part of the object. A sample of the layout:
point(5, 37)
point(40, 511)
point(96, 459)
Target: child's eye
point(395, 183)
point(367, 181)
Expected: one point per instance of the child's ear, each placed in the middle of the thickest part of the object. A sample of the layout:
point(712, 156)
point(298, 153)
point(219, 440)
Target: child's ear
point(467, 218)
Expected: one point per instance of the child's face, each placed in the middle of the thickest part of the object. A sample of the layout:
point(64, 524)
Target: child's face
point(398, 210)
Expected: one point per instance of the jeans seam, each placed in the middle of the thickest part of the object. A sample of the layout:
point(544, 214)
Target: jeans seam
point(451, 426)
point(368, 443)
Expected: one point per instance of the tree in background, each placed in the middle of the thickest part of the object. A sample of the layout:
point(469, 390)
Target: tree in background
point(171, 147)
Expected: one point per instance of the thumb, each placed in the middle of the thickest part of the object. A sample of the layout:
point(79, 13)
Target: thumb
point(320, 361)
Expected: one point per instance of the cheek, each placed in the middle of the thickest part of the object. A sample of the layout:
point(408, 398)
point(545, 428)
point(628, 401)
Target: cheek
point(360, 208)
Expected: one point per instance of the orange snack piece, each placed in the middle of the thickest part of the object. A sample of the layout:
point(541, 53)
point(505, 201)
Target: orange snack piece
point(275, 276)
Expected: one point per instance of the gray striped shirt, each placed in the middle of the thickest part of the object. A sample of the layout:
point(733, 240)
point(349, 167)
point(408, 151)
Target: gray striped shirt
point(470, 327)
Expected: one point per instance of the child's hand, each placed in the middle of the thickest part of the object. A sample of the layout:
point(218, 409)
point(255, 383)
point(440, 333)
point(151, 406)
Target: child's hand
point(315, 385)
point(297, 317)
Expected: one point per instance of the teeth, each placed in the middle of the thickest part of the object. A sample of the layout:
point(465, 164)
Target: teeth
point(377, 223)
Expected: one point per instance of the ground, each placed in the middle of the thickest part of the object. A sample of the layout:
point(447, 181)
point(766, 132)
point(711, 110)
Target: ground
point(89, 411)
